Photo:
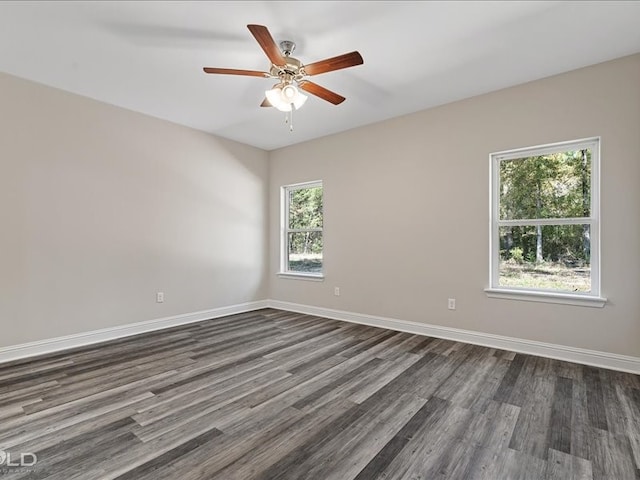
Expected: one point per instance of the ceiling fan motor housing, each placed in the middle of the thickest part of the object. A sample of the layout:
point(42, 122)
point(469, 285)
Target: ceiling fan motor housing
point(291, 69)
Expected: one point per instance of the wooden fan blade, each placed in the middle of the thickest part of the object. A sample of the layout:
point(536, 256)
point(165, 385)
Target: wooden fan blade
point(265, 103)
point(233, 71)
point(336, 63)
point(323, 93)
point(264, 38)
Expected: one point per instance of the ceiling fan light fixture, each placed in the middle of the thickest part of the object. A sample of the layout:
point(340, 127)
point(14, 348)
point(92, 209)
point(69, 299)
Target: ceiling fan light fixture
point(284, 97)
point(299, 100)
point(275, 99)
point(289, 92)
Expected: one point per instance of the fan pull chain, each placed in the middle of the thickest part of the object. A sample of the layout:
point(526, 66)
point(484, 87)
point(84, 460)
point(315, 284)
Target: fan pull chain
point(291, 118)
point(288, 118)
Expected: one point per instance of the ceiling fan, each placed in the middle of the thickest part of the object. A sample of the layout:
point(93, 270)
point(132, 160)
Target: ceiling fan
point(291, 72)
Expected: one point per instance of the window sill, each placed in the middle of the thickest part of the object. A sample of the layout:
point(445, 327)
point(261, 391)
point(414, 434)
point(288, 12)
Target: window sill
point(546, 297)
point(312, 277)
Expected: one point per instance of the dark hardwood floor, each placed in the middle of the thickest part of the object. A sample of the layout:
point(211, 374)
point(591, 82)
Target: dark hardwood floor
point(277, 395)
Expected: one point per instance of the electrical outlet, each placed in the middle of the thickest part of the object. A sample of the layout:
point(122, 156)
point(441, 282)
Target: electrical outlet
point(452, 304)
point(160, 297)
point(336, 291)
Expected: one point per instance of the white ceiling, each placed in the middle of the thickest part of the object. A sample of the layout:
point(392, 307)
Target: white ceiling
point(148, 56)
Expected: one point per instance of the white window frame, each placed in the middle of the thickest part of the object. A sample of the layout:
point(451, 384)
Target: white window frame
point(285, 231)
point(495, 290)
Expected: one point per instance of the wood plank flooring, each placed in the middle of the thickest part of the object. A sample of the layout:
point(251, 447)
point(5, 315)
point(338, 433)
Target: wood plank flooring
point(277, 395)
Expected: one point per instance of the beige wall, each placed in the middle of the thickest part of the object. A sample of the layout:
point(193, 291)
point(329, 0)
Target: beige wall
point(407, 214)
point(101, 207)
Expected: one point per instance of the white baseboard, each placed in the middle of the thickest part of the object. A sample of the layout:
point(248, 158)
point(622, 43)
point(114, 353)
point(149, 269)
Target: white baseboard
point(560, 352)
point(41, 347)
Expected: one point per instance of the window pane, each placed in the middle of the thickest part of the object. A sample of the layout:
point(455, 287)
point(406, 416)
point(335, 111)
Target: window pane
point(556, 185)
point(305, 208)
point(305, 252)
point(550, 257)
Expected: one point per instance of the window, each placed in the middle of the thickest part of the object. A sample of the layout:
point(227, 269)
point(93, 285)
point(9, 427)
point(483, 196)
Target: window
point(545, 240)
point(302, 230)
